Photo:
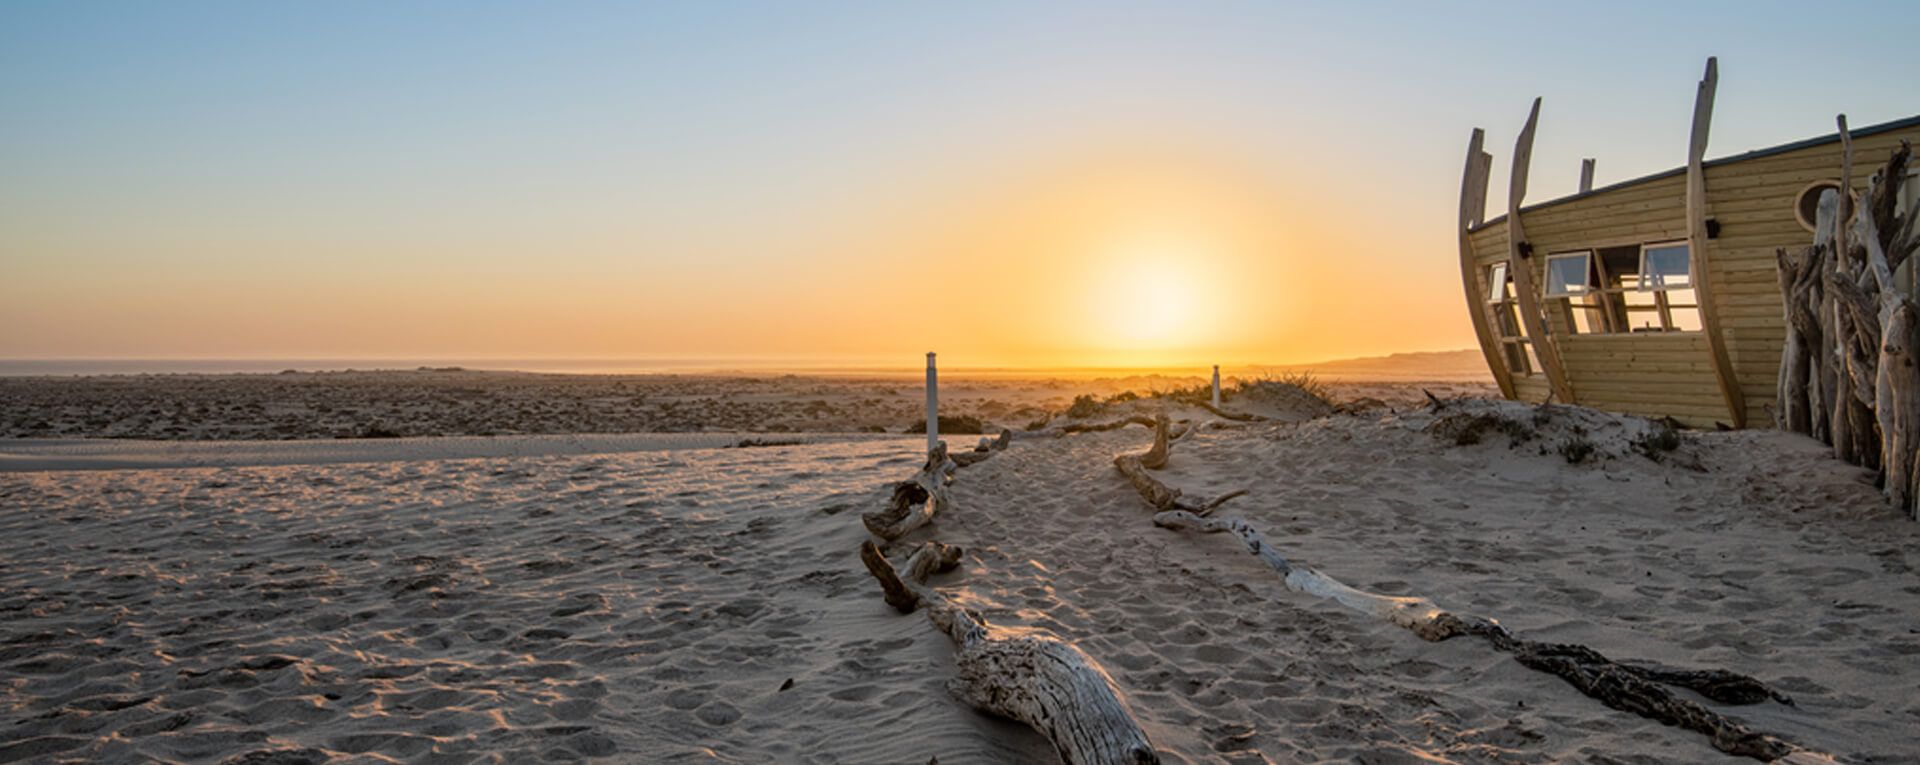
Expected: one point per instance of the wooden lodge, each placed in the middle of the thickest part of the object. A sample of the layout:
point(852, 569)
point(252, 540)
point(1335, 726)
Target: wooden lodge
point(1658, 296)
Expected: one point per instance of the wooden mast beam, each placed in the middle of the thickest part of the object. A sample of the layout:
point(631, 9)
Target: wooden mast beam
point(1697, 247)
point(1473, 210)
point(1519, 265)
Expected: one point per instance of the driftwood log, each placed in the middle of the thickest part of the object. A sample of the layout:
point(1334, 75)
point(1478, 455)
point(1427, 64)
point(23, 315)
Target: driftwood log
point(1026, 675)
point(987, 448)
point(915, 501)
point(1639, 688)
point(1101, 427)
point(1160, 495)
point(1848, 375)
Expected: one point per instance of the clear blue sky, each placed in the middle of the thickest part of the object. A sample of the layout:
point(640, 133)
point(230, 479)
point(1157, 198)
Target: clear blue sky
point(213, 179)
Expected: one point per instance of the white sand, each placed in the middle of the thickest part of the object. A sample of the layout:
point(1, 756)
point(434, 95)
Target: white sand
point(648, 606)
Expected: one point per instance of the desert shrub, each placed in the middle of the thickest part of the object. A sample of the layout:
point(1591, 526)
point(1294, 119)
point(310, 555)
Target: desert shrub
point(1039, 423)
point(1306, 381)
point(958, 424)
point(1577, 450)
point(377, 429)
point(1465, 429)
point(750, 443)
point(1121, 397)
point(1195, 394)
point(1083, 406)
point(1658, 440)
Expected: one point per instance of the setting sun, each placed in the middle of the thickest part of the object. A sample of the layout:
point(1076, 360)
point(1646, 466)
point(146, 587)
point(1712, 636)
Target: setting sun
point(1149, 296)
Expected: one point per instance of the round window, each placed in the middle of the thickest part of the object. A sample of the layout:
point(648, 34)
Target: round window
point(1806, 205)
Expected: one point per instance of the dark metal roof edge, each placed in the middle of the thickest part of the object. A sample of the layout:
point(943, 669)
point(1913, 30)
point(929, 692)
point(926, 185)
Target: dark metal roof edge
point(1833, 137)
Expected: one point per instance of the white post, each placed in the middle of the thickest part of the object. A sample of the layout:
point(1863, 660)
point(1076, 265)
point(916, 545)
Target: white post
point(1216, 386)
point(933, 404)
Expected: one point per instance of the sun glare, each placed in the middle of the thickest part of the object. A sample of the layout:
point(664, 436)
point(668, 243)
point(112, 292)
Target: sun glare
point(1150, 296)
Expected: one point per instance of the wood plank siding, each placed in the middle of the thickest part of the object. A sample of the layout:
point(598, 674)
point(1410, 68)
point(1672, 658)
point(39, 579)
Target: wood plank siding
point(1751, 199)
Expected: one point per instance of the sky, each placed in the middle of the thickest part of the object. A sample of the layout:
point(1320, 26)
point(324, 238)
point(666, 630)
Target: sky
point(1057, 184)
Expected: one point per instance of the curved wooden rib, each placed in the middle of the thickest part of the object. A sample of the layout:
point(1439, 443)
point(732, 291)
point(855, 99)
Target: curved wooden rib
point(1521, 268)
point(1473, 208)
point(1697, 247)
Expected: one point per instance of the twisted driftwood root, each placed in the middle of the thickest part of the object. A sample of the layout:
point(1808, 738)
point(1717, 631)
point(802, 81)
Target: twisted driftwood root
point(1639, 689)
point(1157, 493)
point(1026, 675)
point(916, 500)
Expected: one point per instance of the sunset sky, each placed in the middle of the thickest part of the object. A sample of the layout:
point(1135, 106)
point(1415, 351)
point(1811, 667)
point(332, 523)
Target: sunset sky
point(1010, 184)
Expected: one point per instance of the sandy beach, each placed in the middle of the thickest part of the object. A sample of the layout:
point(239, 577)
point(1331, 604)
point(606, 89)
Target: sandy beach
point(1083, 383)
point(701, 604)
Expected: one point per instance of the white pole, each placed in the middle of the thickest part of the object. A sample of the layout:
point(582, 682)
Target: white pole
point(1216, 386)
point(933, 404)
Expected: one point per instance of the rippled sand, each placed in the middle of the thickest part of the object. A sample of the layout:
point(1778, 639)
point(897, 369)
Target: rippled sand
point(652, 606)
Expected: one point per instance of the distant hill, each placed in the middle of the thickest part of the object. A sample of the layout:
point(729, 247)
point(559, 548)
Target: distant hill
point(1461, 365)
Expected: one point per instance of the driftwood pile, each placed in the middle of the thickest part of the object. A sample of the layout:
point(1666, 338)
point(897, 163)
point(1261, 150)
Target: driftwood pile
point(1027, 675)
point(1847, 372)
point(1638, 687)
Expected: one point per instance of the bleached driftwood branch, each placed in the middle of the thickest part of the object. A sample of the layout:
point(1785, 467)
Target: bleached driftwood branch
point(915, 501)
point(1100, 427)
point(1157, 493)
point(1628, 687)
point(987, 448)
point(1026, 675)
point(1636, 688)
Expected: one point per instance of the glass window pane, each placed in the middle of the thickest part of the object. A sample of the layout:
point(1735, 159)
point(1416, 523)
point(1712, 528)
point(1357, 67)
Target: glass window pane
point(1585, 318)
point(1665, 267)
point(1686, 319)
point(1567, 274)
point(1497, 281)
point(1508, 318)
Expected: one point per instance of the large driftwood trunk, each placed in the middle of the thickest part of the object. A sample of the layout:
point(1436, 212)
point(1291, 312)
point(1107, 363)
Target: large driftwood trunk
point(1848, 375)
point(1026, 675)
point(1639, 687)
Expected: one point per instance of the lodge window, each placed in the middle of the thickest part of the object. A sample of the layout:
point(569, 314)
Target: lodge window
point(1617, 290)
point(1504, 305)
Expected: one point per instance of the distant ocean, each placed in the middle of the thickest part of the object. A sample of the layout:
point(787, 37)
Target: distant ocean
point(1443, 365)
point(914, 366)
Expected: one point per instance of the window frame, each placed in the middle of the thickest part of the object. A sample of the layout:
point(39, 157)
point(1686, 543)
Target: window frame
point(1641, 274)
point(1502, 301)
point(1586, 286)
